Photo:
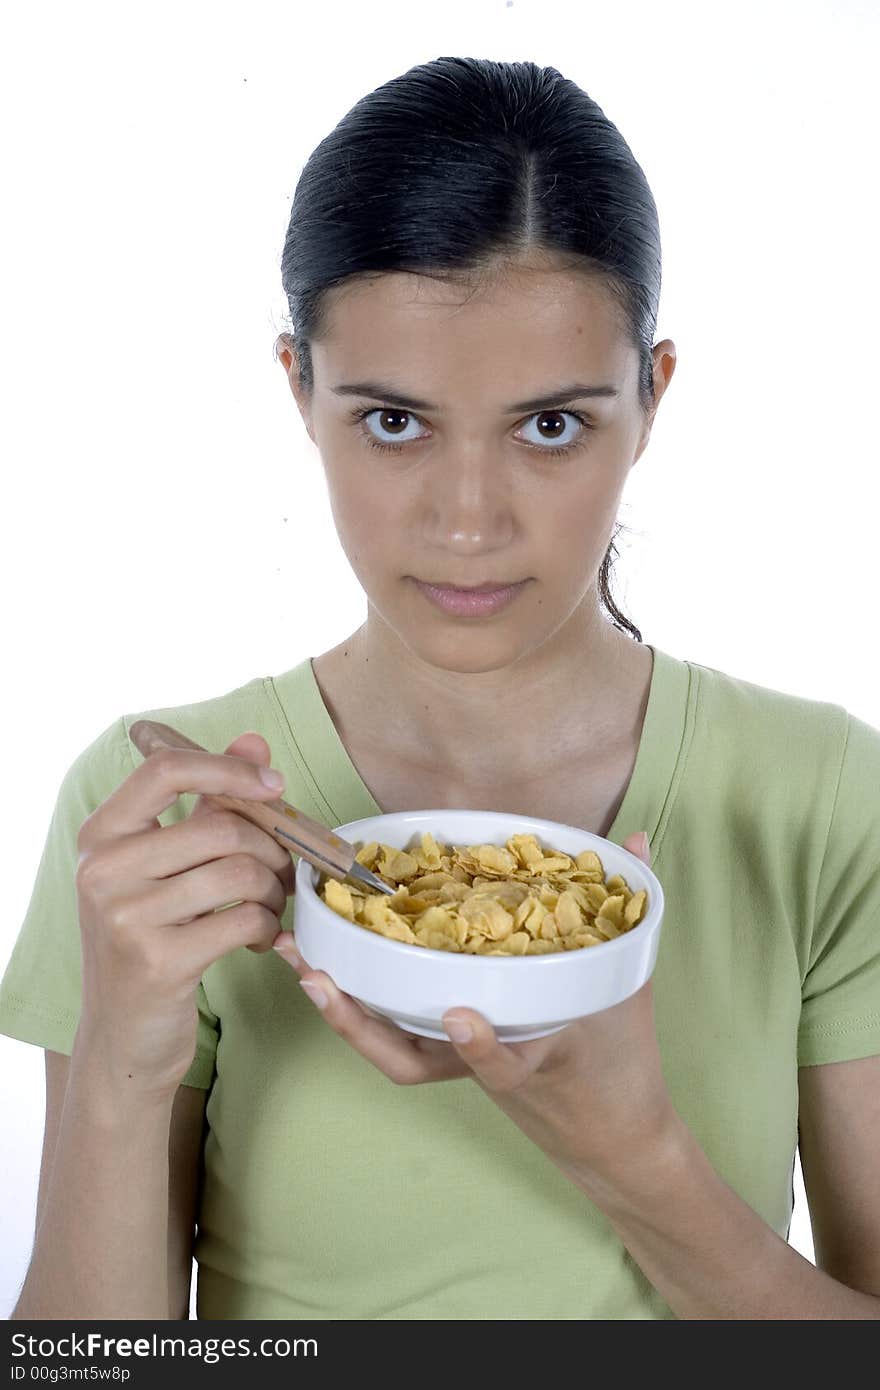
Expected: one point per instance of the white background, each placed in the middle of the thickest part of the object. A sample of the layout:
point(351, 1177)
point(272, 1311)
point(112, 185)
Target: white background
point(166, 525)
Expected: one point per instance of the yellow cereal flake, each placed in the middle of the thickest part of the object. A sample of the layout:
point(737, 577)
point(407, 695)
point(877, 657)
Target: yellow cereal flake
point(338, 896)
point(590, 865)
point(497, 859)
point(517, 899)
point(634, 910)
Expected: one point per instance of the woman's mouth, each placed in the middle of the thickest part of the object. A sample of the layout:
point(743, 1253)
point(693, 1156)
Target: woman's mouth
point(470, 603)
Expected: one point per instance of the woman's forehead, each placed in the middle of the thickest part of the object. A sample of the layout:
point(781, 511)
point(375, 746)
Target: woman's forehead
point(399, 292)
point(541, 320)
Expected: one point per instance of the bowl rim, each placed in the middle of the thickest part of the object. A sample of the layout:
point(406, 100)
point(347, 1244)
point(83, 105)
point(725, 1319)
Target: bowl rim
point(311, 874)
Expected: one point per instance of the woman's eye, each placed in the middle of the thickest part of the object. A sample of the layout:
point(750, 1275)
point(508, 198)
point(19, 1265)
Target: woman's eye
point(550, 428)
point(551, 435)
point(389, 420)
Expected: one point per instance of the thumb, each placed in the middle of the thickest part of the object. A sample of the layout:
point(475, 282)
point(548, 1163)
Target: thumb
point(255, 749)
point(251, 746)
point(639, 845)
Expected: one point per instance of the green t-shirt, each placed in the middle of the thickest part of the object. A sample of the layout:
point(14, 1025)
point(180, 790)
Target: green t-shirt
point(331, 1192)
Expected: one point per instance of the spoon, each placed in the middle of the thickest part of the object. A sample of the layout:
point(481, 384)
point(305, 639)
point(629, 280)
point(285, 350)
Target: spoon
point(313, 841)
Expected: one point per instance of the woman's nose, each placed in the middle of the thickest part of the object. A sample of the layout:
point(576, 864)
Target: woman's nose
point(467, 500)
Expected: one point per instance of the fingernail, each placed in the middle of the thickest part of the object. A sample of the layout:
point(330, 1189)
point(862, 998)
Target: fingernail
point(458, 1030)
point(315, 993)
point(646, 848)
point(291, 955)
point(271, 778)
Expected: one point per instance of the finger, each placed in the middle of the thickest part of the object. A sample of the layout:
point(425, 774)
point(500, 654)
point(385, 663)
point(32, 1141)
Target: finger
point(186, 847)
point(635, 845)
point(255, 749)
point(285, 945)
point(156, 784)
point(499, 1067)
point(251, 746)
point(404, 1059)
point(205, 888)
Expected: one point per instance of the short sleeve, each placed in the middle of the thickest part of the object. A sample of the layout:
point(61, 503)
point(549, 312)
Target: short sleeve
point(41, 989)
point(840, 996)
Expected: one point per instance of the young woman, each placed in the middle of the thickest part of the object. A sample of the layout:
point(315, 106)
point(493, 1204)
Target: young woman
point(473, 270)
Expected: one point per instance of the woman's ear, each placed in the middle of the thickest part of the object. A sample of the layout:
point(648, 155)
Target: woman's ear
point(664, 366)
point(286, 354)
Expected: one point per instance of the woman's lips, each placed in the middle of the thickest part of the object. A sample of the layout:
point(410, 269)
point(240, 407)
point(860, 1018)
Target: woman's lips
point(469, 603)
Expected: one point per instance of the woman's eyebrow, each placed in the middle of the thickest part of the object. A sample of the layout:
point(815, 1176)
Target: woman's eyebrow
point(387, 391)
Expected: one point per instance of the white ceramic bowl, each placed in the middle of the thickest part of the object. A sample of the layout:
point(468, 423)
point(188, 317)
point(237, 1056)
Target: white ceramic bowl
point(521, 996)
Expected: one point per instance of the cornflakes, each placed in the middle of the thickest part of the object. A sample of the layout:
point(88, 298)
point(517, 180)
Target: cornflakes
point(517, 899)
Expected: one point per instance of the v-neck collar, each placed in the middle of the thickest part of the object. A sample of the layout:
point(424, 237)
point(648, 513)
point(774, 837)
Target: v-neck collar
point(341, 795)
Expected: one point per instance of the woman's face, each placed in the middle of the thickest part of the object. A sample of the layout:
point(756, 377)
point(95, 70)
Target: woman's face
point(473, 493)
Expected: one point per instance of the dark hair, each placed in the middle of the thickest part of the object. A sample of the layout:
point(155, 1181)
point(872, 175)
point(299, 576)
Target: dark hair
point(459, 166)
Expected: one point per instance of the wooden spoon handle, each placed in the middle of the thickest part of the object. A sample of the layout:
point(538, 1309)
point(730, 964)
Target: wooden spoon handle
point(294, 830)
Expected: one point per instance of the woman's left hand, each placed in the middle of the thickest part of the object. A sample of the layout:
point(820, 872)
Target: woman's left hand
point(588, 1095)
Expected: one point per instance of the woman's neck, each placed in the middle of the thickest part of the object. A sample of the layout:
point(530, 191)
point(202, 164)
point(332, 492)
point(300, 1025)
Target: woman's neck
point(584, 689)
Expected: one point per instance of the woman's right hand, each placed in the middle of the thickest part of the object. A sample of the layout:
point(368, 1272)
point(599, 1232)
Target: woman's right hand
point(146, 895)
